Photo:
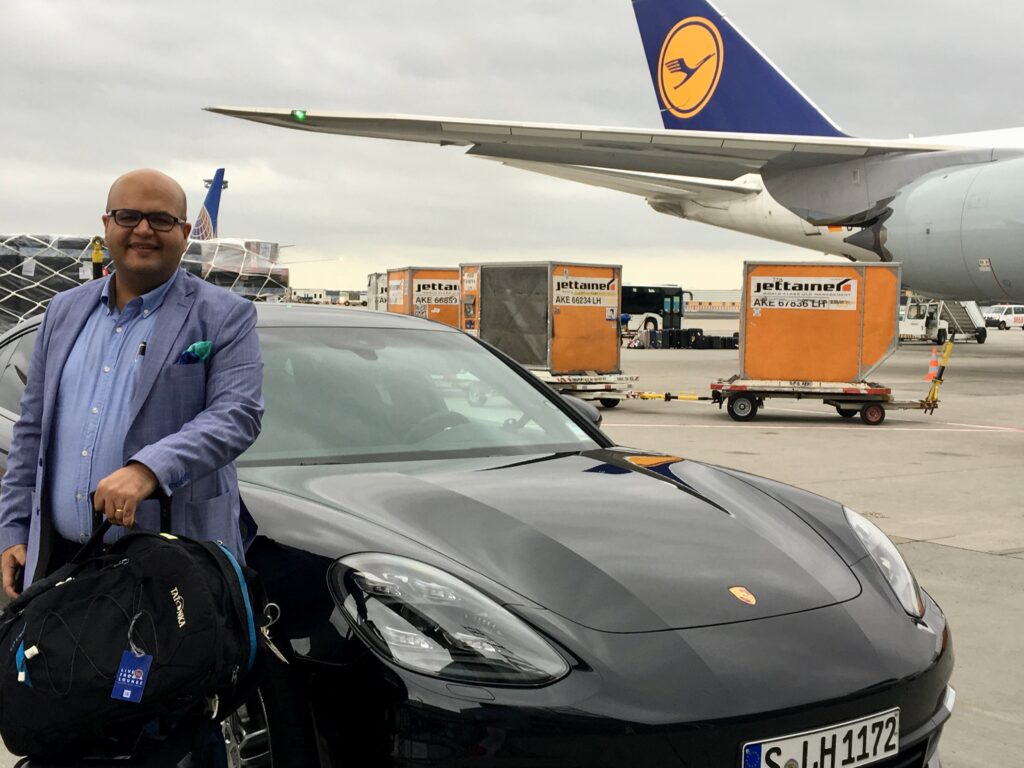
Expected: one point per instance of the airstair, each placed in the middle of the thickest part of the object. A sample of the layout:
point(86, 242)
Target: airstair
point(965, 320)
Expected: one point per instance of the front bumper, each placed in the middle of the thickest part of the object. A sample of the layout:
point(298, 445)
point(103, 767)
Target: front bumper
point(626, 706)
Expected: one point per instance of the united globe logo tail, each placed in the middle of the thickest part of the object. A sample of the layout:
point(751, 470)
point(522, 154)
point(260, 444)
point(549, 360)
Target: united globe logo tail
point(204, 227)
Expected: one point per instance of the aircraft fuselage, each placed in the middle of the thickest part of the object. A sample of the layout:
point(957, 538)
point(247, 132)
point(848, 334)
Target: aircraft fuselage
point(958, 231)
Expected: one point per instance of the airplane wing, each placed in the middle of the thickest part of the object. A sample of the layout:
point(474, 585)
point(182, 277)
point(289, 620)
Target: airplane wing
point(652, 187)
point(695, 154)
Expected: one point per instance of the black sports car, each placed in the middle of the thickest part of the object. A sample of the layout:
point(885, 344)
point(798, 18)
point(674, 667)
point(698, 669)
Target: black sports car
point(491, 581)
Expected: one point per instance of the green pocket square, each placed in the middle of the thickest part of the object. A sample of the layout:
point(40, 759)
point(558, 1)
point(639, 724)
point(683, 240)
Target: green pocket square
point(201, 349)
point(195, 353)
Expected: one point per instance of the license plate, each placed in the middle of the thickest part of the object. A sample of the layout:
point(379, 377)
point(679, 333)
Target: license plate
point(847, 745)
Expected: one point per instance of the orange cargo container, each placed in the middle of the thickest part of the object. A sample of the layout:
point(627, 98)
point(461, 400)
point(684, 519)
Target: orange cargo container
point(817, 322)
point(428, 292)
point(551, 316)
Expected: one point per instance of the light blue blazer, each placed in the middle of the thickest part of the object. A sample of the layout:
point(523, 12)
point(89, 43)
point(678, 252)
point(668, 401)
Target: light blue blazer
point(188, 423)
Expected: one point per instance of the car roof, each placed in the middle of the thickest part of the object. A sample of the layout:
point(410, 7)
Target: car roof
point(287, 315)
point(284, 315)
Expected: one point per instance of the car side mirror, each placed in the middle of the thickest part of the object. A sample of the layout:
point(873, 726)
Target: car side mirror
point(584, 409)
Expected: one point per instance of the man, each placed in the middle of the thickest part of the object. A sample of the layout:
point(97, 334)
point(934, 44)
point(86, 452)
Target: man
point(148, 379)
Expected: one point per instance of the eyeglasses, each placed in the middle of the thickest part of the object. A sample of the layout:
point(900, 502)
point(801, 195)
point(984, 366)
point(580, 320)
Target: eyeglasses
point(159, 221)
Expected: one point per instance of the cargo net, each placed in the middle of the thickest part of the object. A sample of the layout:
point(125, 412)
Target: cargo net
point(35, 268)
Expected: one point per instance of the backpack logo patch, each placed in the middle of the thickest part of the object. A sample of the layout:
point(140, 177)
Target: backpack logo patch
point(179, 605)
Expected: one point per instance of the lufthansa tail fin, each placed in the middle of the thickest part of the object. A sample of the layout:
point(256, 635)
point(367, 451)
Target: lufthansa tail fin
point(205, 226)
point(709, 77)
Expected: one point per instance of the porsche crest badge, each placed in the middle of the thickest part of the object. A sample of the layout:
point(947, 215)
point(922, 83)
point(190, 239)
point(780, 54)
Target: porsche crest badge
point(744, 595)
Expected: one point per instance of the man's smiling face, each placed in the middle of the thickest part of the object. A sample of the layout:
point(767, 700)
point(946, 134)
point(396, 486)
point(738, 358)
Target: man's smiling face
point(144, 257)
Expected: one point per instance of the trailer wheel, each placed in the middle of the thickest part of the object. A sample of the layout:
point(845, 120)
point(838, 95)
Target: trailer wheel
point(742, 407)
point(847, 413)
point(941, 336)
point(981, 334)
point(872, 414)
point(608, 402)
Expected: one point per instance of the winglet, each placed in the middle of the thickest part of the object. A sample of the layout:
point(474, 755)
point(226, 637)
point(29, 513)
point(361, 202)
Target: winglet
point(708, 77)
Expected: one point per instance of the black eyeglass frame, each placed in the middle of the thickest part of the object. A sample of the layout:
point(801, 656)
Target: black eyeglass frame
point(148, 217)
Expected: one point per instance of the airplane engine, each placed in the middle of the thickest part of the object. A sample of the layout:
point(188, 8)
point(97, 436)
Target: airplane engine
point(957, 227)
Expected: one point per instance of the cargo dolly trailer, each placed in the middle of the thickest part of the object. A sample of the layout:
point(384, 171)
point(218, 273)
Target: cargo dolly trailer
point(817, 331)
point(744, 397)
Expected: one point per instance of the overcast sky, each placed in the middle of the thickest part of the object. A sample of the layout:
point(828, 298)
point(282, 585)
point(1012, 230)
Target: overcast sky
point(91, 89)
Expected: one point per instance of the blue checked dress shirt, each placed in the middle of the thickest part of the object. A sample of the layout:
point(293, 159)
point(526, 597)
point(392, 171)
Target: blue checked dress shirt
point(96, 386)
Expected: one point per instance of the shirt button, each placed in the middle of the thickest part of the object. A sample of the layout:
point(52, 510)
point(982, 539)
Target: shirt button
point(85, 453)
point(119, 329)
point(95, 409)
point(106, 369)
point(145, 313)
point(78, 496)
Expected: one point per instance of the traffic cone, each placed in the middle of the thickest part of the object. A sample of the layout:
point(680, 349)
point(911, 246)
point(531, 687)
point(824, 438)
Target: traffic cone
point(933, 365)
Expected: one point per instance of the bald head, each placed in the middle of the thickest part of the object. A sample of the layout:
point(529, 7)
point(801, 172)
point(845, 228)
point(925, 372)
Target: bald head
point(144, 256)
point(152, 181)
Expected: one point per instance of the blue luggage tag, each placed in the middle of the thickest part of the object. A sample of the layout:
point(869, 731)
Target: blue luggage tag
point(131, 677)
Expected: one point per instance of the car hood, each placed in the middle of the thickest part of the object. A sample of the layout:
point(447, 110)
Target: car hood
point(615, 540)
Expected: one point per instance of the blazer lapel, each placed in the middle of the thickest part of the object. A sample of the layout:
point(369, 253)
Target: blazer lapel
point(173, 313)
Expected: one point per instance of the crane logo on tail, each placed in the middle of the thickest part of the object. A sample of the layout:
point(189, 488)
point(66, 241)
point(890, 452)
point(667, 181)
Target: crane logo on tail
point(690, 66)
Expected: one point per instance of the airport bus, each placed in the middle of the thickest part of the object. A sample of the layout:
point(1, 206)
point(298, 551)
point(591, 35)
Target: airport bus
point(653, 307)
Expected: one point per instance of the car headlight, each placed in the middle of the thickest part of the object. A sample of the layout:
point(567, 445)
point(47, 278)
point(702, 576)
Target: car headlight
point(889, 561)
point(427, 620)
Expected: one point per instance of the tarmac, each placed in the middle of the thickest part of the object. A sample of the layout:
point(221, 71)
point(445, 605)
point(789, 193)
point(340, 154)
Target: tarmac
point(945, 487)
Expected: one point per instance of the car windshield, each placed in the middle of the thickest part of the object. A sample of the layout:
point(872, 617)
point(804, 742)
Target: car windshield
point(344, 395)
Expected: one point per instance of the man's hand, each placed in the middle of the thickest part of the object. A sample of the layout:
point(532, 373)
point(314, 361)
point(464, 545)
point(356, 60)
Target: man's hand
point(119, 493)
point(11, 560)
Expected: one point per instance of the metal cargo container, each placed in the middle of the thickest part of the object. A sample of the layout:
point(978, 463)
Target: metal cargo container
point(817, 322)
point(377, 291)
point(428, 292)
point(552, 316)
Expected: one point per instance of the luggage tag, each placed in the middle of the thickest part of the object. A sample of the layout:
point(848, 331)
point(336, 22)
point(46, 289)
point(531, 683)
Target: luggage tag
point(131, 677)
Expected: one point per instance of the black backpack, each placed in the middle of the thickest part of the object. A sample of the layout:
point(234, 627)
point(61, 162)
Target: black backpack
point(187, 604)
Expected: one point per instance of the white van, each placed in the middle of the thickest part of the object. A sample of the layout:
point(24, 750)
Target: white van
point(1003, 316)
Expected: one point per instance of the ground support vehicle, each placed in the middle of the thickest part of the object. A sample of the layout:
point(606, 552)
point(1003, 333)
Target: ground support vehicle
point(744, 397)
point(1004, 316)
point(607, 389)
point(931, 320)
point(815, 330)
point(652, 307)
